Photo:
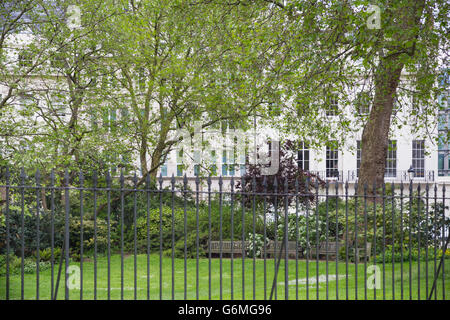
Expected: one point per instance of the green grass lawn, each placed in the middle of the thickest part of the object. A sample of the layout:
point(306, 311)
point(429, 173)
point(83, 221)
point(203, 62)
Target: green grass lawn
point(254, 281)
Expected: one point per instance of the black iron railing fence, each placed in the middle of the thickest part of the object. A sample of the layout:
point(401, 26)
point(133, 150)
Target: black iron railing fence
point(95, 237)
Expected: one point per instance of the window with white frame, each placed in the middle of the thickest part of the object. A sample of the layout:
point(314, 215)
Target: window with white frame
point(332, 162)
point(362, 103)
point(164, 169)
point(213, 164)
point(418, 157)
point(179, 159)
point(303, 156)
point(332, 104)
point(110, 118)
point(358, 156)
point(443, 132)
point(391, 159)
point(227, 162)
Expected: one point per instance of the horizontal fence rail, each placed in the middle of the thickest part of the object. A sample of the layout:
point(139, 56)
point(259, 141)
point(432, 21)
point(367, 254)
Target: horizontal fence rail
point(74, 235)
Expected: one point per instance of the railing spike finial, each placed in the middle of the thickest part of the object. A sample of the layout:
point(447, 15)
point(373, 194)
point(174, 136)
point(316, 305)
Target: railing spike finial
point(66, 176)
point(220, 181)
point(264, 182)
point(172, 181)
point(122, 178)
point(209, 181)
point(81, 177)
point(108, 178)
point(147, 180)
point(135, 179)
point(185, 181)
point(275, 182)
point(197, 180)
point(160, 179)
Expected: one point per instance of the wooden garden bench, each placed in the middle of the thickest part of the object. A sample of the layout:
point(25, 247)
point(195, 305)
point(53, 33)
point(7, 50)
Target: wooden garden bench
point(226, 247)
point(292, 249)
point(362, 253)
point(325, 250)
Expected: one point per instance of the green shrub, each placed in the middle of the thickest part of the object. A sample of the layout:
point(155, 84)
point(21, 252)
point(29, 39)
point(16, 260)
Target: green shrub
point(15, 265)
point(89, 236)
point(256, 244)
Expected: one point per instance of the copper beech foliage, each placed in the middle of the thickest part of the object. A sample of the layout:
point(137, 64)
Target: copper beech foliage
point(290, 179)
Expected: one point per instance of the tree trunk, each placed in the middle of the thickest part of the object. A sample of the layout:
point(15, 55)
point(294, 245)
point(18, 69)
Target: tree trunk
point(375, 137)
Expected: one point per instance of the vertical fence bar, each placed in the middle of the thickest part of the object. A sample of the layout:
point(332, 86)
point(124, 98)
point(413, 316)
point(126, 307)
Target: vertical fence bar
point(401, 240)
point(66, 232)
point(418, 240)
point(365, 241)
point(108, 232)
point(22, 236)
point(384, 241)
point(410, 236)
point(346, 240)
point(160, 236)
point(286, 235)
point(52, 233)
point(148, 186)
point(265, 235)
point(232, 237)
point(185, 233)
point(254, 235)
point(38, 236)
point(220, 237)
point(326, 237)
point(243, 236)
point(308, 246)
point(443, 242)
point(356, 254)
point(427, 195)
point(435, 234)
point(337, 240)
point(173, 235)
point(7, 232)
point(274, 284)
point(393, 240)
point(122, 208)
point(317, 239)
point(374, 190)
point(209, 237)
point(135, 180)
point(94, 178)
point(296, 237)
point(81, 177)
point(197, 182)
